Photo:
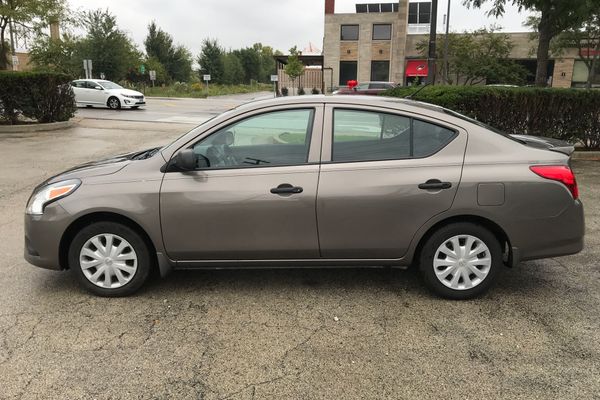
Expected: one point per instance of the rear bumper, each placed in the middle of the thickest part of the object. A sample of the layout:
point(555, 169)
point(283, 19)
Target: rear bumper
point(43, 234)
point(561, 235)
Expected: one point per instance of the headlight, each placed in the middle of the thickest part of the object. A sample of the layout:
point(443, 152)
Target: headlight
point(49, 193)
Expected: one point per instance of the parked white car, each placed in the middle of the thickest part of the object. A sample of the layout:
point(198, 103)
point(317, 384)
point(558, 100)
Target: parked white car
point(101, 93)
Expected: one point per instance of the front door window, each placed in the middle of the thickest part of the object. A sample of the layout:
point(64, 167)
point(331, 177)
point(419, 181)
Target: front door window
point(272, 139)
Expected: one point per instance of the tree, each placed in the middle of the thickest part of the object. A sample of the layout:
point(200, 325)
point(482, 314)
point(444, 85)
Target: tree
point(233, 70)
point(177, 60)
point(586, 39)
point(180, 66)
point(294, 68)
point(110, 49)
point(250, 59)
point(479, 56)
point(267, 62)
point(57, 55)
point(27, 17)
point(554, 17)
point(210, 60)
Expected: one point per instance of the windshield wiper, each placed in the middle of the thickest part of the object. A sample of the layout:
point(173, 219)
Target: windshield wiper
point(146, 154)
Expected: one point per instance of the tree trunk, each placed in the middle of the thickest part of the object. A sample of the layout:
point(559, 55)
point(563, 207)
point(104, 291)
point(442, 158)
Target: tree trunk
point(545, 35)
point(3, 49)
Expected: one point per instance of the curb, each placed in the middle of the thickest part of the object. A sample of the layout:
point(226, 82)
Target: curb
point(28, 128)
point(586, 156)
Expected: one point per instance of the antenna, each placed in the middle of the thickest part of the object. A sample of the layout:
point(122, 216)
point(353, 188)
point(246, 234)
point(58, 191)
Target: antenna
point(421, 88)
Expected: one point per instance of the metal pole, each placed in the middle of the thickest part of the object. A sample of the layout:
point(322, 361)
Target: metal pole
point(446, 65)
point(432, 37)
point(12, 44)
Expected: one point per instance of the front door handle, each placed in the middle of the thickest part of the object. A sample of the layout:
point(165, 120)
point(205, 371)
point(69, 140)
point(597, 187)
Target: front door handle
point(435, 184)
point(286, 188)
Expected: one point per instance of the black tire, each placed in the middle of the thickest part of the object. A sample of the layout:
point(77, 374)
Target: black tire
point(113, 103)
point(135, 107)
point(443, 234)
point(145, 262)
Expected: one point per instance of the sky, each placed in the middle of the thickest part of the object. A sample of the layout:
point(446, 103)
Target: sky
point(277, 23)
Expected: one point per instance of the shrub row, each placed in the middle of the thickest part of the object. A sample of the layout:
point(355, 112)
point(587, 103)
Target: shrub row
point(568, 114)
point(42, 96)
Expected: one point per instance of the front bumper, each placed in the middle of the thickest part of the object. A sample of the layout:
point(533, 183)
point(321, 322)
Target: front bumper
point(43, 234)
point(129, 102)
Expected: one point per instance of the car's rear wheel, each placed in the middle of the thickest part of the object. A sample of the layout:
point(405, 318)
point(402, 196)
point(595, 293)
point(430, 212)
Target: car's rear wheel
point(113, 103)
point(110, 259)
point(460, 260)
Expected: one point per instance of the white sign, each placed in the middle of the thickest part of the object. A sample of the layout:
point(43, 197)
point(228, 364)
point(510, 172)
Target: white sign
point(102, 76)
point(274, 78)
point(15, 60)
point(152, 74)
point(206, 77)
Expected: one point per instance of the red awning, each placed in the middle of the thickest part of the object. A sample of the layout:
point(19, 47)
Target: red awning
point(416, 68)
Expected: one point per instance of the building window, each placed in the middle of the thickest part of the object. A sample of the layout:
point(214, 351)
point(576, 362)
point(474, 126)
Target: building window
point(348, 71)
point(380, 71)
point(419, 13)
point(349, 32)
point(382, 31)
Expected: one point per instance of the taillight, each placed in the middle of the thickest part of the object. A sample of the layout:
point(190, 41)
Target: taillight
point(560, 173)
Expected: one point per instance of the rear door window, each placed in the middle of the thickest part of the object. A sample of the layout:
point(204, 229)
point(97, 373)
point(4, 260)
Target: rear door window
point(373, 136)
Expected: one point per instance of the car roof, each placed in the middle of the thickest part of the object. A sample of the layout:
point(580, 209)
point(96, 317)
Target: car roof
point(359, 100)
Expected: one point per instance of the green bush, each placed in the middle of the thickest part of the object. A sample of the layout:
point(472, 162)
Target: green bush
point(42, 96)
point(568, 114)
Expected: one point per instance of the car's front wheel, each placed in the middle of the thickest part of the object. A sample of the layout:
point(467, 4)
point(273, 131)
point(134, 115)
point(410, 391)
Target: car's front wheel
point(110, 259)
point(113, 103)
point(460, 260)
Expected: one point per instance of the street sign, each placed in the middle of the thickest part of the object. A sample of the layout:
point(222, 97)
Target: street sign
point(15, 61)
point(102, 76)
point(142, 69)
point(152, 74)
point(274, 78)
point(206, 77)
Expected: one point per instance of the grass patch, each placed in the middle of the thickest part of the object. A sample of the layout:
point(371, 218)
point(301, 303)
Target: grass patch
point(198, 90)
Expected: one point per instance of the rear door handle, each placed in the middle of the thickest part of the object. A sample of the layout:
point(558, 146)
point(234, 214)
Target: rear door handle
point(286, 188)
point(435, 184)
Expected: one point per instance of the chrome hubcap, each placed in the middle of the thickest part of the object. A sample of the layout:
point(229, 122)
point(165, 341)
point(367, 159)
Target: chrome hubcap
point(108, 261)
point(462, 262)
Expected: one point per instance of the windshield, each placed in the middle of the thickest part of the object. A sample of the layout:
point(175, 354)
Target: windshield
point(195, 129)
point(110, 85)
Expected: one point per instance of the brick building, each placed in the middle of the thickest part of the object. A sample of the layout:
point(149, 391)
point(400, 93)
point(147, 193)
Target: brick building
point(378, 43)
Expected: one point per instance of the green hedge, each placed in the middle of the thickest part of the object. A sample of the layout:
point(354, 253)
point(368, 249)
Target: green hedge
point(568, 114)
point(42, 96)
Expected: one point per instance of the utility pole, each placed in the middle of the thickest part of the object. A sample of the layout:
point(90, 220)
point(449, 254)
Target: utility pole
point(432, 39)
point(446, 40)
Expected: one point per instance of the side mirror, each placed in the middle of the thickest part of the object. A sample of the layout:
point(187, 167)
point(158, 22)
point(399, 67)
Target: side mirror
point(98, 87)
point(187, 160)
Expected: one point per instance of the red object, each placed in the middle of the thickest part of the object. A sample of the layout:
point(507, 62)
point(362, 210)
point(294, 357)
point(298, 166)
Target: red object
point(329, 6)
point(416, 68)
point(352, 83)
point(559, 173)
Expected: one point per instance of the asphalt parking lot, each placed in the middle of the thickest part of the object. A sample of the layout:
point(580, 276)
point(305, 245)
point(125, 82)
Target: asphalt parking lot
point(286, 334)
point(174, 110)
